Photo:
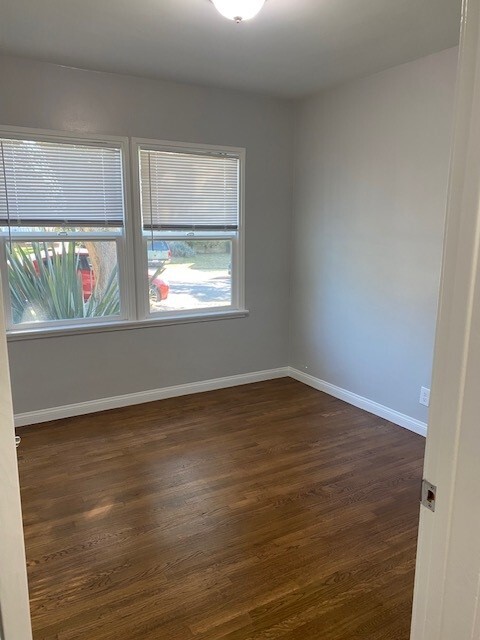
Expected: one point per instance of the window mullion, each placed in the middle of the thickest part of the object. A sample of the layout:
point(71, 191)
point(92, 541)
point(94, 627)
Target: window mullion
point(138, 244)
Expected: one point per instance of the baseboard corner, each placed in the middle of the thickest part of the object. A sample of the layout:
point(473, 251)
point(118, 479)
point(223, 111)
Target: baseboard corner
point(400, 419)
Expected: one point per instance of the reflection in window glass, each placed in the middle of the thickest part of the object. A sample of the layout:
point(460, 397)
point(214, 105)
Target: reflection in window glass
point(193, 274)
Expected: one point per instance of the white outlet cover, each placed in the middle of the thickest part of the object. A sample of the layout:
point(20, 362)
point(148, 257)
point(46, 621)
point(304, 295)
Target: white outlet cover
point(424, 396)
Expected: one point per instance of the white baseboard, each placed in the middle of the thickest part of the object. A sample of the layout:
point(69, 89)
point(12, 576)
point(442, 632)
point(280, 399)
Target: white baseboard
point(102, 404)
point(359, 401)
point(115, 402)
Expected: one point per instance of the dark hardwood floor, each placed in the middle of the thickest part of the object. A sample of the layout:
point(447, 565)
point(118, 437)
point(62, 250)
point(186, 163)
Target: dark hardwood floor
point(254, 513)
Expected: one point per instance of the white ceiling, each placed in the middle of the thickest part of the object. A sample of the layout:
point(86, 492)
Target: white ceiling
point(292, 48)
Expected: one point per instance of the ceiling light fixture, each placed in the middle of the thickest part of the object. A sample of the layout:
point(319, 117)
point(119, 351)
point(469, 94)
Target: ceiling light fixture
point(239, 10)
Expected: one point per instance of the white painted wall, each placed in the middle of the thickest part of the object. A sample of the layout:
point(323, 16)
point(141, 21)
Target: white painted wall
point(59, 371)
point(371, 169)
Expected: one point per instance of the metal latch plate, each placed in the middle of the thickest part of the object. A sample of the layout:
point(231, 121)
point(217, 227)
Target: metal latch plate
point(429, 494)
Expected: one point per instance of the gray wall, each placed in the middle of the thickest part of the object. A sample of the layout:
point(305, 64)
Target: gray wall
point(371, 164)
point(57, 371)
point(371, 168)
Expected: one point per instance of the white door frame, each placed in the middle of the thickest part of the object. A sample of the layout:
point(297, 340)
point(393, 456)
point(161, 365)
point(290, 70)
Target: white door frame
point(447, 585)
point(14, 604)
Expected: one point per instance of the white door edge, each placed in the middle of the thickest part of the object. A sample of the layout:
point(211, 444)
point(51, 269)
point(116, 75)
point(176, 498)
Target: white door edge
point(14, 603)
point(444, 605)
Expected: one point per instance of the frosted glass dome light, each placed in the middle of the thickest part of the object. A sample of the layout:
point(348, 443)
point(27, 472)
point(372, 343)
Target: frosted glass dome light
point(239, 10)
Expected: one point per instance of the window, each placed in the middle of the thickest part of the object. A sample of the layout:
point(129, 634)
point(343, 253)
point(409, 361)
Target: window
point(62, 223)
point(72, 257)
point(190, 204)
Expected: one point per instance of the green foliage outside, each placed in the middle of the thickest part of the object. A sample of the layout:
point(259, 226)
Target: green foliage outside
point(205, 261)
point(45, 284)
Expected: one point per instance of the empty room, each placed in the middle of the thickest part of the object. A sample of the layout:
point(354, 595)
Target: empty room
point(229, 231)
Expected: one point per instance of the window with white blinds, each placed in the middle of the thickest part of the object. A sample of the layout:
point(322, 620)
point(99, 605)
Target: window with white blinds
point(60, 184)
point(189, 190)
point(76, 250)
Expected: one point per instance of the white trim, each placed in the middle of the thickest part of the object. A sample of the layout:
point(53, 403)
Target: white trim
point(175, 145)
point(115, 402)
point(9, 131)
point(124, 325)
point(152, 395)
point(377, 409)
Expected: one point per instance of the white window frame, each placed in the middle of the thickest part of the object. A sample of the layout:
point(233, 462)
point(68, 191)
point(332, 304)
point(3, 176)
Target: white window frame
point(121, 239)
point(131, 249)
point(237, 238)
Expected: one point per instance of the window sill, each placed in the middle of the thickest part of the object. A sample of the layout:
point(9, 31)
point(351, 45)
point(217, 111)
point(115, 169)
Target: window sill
point(123, 325)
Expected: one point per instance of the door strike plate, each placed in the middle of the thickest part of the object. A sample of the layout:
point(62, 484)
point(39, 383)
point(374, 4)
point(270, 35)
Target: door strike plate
point(429, 494)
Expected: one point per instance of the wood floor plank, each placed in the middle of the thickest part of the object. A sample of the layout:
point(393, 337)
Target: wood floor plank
point(254, 513)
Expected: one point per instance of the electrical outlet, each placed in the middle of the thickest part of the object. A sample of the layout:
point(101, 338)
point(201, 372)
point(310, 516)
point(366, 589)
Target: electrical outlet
point(424, 396)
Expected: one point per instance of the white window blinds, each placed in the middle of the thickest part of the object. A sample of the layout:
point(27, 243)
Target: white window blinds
point(60, 184)
point(189, 190)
